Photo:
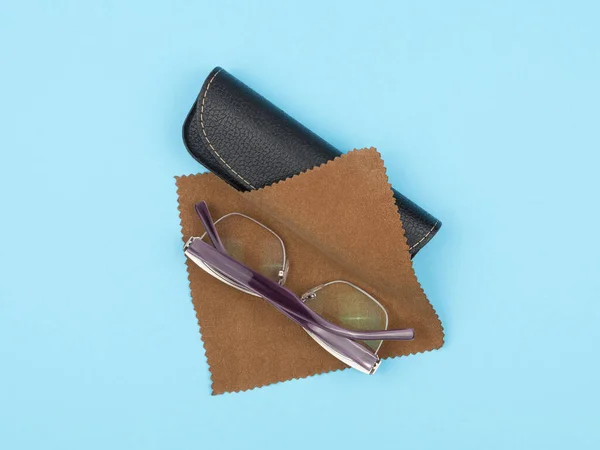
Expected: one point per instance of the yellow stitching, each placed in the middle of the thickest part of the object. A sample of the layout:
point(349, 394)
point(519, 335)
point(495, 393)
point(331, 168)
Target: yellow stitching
point(424, 237)
point(206, 137)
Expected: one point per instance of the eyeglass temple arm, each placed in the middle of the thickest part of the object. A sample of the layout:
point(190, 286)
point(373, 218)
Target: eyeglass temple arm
point(209, 225)
point(282, 297)
point(267, 287)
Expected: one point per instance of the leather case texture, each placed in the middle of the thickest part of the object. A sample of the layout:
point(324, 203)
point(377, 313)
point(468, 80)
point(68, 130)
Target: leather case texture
point(250, 143)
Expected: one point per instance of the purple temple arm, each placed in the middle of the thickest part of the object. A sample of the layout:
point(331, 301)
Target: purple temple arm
point(204, 214)
point(279, 296)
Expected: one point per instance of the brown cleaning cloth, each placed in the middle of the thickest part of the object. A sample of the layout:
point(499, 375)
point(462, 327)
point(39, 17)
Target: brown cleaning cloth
point(338, 221)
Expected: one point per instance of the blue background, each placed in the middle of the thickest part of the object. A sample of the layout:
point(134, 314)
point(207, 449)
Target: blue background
point(487, 115)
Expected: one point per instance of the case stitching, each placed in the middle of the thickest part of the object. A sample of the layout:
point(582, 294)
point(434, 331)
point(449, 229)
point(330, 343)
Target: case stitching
point(424, 237)
point(206, 137)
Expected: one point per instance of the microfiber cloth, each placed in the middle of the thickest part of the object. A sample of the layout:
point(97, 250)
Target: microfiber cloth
point(338, 221)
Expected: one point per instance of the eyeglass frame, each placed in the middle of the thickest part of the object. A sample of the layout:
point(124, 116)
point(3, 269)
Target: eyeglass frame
point(338, 341)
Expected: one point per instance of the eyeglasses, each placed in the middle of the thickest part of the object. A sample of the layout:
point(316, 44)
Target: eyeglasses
point(344, 319)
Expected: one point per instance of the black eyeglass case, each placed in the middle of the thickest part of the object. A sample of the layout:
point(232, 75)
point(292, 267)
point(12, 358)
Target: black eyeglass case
point(250, 143)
